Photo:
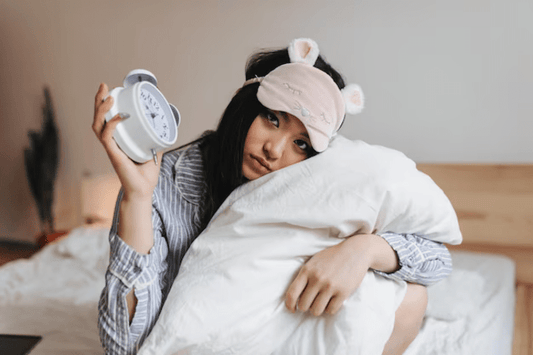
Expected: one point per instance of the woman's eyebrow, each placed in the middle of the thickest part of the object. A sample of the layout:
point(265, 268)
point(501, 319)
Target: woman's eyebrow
point(285, 115)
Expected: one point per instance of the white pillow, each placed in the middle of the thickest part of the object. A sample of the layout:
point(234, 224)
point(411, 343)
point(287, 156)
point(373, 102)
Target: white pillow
point(228, 297)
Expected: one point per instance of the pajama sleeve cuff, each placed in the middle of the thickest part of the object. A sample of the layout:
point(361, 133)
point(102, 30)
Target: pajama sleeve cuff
point(421, 261)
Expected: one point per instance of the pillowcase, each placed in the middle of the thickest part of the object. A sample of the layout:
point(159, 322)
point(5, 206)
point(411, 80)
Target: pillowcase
point(229, 295)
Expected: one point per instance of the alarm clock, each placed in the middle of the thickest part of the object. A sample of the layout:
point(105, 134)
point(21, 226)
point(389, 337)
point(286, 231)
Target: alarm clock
point(150, 124)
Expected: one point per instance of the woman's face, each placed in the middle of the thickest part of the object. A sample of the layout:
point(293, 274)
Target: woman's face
point(275, 140)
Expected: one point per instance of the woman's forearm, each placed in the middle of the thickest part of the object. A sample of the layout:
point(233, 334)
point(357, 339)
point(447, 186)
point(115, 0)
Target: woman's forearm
point(381, 255)
point(135, 223)
point(385, 258)
point(135, 229)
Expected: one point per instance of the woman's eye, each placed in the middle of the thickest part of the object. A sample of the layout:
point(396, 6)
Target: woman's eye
point(272, 118)
point(303, 145)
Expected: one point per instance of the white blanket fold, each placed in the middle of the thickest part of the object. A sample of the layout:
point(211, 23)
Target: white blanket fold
point(229, 295)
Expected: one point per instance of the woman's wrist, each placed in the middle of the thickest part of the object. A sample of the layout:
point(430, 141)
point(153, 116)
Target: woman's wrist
point(138, 197)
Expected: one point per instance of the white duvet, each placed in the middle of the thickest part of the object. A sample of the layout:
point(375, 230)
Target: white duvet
point(229, 295)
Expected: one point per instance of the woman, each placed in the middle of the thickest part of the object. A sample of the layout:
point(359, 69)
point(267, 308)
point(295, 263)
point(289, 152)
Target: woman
point(162, 209)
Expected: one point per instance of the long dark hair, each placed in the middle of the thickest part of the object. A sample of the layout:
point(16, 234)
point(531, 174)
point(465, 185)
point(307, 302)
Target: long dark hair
point(222, 149)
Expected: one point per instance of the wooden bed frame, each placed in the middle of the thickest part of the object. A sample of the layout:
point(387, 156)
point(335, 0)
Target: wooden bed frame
point(494, 204)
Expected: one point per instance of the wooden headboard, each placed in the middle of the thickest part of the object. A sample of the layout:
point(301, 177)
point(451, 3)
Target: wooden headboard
point(494, 204)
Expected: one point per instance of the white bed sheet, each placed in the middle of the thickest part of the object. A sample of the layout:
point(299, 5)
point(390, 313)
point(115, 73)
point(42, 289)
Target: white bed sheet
point(471, 311)
point(55, 294)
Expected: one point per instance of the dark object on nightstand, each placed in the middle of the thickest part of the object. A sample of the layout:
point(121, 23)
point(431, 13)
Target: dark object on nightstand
point(11, 344)
point(13, 250)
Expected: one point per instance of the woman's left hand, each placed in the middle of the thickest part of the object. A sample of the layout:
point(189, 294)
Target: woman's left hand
point(332, 275)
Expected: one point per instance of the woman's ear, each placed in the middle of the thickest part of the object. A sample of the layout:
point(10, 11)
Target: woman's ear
point(354, 99)
point(303, 50)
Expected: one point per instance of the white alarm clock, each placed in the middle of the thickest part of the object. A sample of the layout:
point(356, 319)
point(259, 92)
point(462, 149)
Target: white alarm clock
point(151, 124)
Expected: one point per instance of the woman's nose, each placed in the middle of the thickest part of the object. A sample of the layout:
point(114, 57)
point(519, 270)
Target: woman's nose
point(274, 147)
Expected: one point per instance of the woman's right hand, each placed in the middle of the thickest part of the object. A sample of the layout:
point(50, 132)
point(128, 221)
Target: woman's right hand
point(138, 180)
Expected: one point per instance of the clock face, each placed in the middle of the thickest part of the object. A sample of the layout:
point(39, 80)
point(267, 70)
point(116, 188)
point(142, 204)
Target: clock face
point(160, 119)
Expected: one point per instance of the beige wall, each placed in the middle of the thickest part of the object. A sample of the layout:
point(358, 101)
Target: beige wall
point(446, 81)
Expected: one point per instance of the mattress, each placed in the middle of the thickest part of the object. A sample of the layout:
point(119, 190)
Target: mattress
point(55, 294)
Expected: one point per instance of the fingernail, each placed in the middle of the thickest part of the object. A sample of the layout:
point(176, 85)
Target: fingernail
point(124, 115)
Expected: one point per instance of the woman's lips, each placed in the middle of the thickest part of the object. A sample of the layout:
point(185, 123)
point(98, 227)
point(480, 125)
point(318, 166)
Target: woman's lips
point(262, 162)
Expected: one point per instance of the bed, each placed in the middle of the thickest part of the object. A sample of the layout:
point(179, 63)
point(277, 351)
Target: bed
point(485, 306)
